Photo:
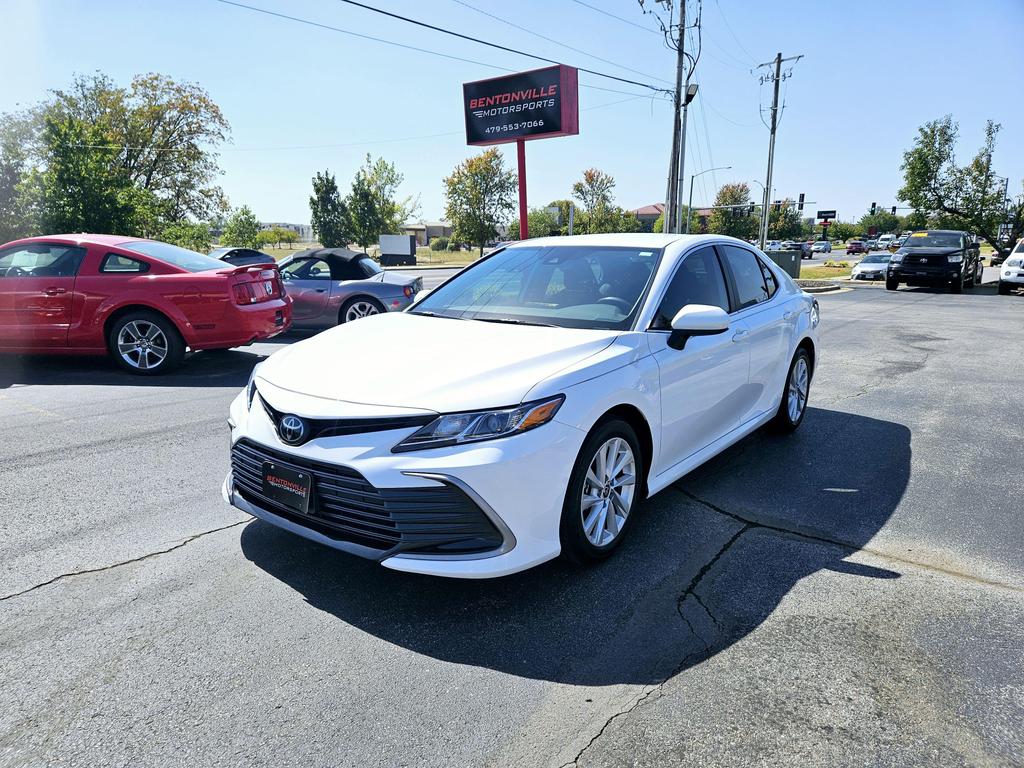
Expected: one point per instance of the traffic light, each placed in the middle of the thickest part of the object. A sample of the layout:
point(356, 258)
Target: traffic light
point(751, 209)
point(873, 209)
point(800, 204)
point(894, 210)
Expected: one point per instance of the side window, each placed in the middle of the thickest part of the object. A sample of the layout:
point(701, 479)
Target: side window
point(747, 276)
point(41, 260)
point(698, 280)
point(350, 270)
point(319, 270)
point(307, 269)
point(770, 282)
point(115, 263)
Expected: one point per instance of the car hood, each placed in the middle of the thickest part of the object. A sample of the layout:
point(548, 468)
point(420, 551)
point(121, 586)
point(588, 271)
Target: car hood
point(402, 360)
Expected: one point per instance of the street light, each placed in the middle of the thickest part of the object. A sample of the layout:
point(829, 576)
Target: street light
point(689, 94)
point(690, 205)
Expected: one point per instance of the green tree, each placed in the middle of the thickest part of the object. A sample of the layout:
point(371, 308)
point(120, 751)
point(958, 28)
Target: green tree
point(784, 221)
point(18, 178)
point(594, 191)
point(266, 237)
point(842, 230)
point(659, 224)
point(328, 213)
point(242, 229)
point(736, 221)
point(195, 237)
point(967, 197)
point(289, 237)
point(883, 221)
point(365, 213)
point(543, 223)
point(479, 196)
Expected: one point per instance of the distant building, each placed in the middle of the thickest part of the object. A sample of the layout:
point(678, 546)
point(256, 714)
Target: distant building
point(649, 214)
point(425, 231)
point(304, 231)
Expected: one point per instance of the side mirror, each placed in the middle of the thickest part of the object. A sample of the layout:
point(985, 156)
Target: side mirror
point(697, 320)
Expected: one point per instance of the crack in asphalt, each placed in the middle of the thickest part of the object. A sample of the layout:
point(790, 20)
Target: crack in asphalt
point(148, 555)
point(691, 591)
point(822, 538)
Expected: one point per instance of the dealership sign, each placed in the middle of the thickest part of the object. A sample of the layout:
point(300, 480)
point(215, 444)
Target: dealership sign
point(540, 104)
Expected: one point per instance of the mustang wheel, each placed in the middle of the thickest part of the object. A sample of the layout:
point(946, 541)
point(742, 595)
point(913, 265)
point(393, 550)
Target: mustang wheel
point(145, 343)
point(603, 491)
point(359, 307)
point(794, 396)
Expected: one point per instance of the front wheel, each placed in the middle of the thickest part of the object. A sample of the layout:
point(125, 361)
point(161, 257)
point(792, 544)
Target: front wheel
point(359, 307)
point(794, 397)
point(957, 286)
point(891, 284)
point(604, 489)
point(1004, 288)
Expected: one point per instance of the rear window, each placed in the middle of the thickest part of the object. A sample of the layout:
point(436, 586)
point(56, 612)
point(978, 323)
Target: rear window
point(173, 254)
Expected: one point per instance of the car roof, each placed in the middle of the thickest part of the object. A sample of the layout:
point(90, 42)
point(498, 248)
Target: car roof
point(81, 238)
point(624, 240)
point(329, 254)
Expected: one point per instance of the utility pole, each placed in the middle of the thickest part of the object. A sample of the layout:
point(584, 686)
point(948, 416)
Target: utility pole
point(776, 79)
point(671, 197)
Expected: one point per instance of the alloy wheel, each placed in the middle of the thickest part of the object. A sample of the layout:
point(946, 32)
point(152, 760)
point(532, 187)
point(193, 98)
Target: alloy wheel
point(608, 492)
point(361, 309)
point(142, 344)
point(799, 382)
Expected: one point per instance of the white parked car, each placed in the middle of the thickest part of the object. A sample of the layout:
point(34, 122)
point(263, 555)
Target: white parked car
point(1011, 272)
point(871, 267)
point(772, 245)
point(525, 407)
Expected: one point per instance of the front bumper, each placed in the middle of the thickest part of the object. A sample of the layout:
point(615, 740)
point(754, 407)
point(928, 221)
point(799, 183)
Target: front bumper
point(518, 483)
point(925, 275)
point(1012, 275)
point(877, 274)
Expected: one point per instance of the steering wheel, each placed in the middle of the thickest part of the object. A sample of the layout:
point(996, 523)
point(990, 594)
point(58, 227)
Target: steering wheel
point(622, 304)
point(16, 272)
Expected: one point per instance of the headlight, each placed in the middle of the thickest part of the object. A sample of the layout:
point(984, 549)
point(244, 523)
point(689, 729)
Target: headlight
point(472, 427)
point(250, 388)
point(896, 258)
point(955, 258)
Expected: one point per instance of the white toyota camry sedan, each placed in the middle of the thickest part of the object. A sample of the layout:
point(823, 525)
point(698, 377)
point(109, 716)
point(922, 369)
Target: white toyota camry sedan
point(526, 406)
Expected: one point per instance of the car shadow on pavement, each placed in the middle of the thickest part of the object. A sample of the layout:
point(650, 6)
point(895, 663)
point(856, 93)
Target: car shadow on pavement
point(215, 368)
point(833, 485)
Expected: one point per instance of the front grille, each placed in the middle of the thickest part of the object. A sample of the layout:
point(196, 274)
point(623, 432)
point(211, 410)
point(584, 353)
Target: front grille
point(345, 506)
point(334, 427)
point(930, 260)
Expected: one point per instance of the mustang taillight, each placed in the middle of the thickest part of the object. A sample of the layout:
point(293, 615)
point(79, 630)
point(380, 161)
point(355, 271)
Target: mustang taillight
point(244, 294)
point(263, 286)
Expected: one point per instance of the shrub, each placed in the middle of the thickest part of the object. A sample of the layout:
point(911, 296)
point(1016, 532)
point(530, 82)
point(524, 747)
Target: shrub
point(454, 246)
point(439, 244)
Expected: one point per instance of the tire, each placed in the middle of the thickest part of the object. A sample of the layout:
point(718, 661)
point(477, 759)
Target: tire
point(795, 394)
point(616, 438)
point(145, 343)
point(358, 307)
point(957, 286)
point(1004, 288)
point(890, 284)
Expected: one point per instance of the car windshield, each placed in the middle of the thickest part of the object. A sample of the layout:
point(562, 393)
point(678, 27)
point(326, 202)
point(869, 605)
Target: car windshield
point(876, 258)
point(820, 242)
point(933, 240)
point(566, 286)
point(172, 254)
point(1020, 247)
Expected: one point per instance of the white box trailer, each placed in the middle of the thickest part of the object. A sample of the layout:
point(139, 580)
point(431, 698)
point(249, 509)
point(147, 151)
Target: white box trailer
point(398, 250)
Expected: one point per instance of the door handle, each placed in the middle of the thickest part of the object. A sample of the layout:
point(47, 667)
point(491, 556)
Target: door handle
point(55, 291)
point(740, 335)
point(321, 290)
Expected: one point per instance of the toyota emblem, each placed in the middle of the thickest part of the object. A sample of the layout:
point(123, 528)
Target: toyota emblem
point(292, 429)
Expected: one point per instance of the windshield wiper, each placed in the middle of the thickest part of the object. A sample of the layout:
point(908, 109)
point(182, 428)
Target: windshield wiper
point(512, 321)
point(428, 313)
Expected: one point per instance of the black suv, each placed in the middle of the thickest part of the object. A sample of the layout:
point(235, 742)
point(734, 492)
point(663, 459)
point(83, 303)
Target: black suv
point(938, 257)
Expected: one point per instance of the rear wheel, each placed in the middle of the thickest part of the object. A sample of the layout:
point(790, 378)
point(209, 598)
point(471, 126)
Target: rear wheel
point(145, 343)
point(359, 307)
point(604, 489)
point(794, 396)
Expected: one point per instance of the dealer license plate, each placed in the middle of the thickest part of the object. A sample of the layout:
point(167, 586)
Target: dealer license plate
point(286, 486)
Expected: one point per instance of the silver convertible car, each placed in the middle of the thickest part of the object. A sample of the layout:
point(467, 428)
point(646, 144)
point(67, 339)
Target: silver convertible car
point(330, 286)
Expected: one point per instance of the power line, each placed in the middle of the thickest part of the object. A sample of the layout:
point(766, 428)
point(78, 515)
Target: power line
point(728, 26)
point(556, 42)
point(505, 48)
point(371, 38)
point(619, 18)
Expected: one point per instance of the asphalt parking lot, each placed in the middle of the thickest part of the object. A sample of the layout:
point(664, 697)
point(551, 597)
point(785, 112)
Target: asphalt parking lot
point(850, 595)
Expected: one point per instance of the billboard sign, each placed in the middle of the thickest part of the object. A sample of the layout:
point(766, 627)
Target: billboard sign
point(826, 214)
point(540, 104)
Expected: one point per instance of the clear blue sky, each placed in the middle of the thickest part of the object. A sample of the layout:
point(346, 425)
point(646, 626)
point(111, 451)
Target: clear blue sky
point(873, 71)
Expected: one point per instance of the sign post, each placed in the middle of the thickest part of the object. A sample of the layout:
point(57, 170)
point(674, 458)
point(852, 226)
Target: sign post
point(540, 104)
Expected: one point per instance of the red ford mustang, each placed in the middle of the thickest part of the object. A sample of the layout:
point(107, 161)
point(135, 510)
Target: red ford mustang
point(140, 301)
